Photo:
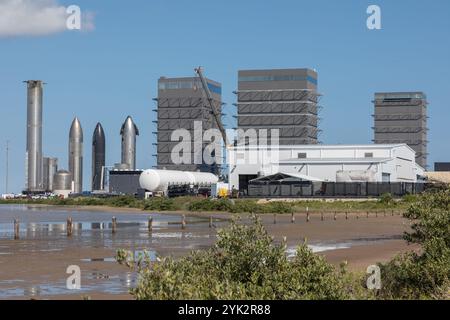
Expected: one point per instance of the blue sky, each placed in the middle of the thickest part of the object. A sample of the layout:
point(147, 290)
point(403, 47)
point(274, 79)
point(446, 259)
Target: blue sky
point(110, 72)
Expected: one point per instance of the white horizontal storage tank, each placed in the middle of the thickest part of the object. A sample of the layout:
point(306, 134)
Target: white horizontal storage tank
point(158, 180)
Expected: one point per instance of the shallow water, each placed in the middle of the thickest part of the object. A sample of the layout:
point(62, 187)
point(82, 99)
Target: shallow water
point(43, 234)
point(43, 231)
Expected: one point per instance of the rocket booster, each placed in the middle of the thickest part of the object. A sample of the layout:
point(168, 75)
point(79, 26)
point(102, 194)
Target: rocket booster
point(76, 155)
point(98, 157)
point(129, 131)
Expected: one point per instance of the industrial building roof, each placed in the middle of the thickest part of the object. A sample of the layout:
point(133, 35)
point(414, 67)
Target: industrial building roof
point(282, 176)
point(323, 146)
point(336, 160)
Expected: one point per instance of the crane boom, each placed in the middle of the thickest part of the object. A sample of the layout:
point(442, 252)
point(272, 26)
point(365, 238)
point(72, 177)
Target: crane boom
point(217, 118)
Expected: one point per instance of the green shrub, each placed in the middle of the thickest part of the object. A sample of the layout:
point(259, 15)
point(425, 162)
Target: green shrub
point(91, 201)
point(159, 204)
point(224, 205)
point(124, 201)
point(278, 207)
point(240, 206)
point(425, 274)
point(409, 198)
point(246, 206)
point(243, 264)
point(386, 198)
point(417, 276)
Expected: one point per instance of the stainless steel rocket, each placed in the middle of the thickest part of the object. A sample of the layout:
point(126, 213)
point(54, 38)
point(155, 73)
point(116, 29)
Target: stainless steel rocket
point(98, 157)
point(129, 131)
point(34, 178)
point(76, 155)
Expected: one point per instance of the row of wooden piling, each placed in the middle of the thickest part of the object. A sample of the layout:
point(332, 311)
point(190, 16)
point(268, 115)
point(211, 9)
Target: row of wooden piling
point(69, 225)
point(335, 216)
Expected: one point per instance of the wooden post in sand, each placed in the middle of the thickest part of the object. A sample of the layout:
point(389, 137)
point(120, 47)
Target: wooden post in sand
point(346, 215)
point(292, 218)
point(183, 222)
point(150, 224)
point(392, 213)
point(16, 229)
point(274, 218)
point(367, 214)
point(307, 214)
point(69, 226)
point(210, 221)
point(335, 216)
point(321, 216)
point(357, 215)
point(114, 225)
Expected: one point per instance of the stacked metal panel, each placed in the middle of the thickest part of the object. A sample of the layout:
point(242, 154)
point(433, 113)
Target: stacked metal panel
point(284, 99)
point(401, 117)
point(182, 104)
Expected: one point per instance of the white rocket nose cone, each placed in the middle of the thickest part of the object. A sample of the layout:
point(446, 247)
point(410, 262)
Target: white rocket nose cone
point(129, 127)
point(76, 132)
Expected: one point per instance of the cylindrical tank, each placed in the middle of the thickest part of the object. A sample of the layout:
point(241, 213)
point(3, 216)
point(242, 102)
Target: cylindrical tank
point(50, 167)
point(34, 136)
point(62, 180)
point(158, 180)
point(121, 166)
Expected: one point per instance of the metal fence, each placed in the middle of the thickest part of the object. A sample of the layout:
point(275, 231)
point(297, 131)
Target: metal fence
point(330, 189)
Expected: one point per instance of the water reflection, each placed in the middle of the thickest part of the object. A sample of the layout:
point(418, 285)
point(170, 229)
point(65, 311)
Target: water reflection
point(44, 231)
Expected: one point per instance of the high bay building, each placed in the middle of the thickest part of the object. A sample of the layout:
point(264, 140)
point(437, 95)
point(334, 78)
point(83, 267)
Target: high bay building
point(182, 104)
point(300, 164)
point(401, 117)
point(284, 99)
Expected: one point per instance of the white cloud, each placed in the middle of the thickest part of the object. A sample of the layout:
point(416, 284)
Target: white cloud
point(36, 18)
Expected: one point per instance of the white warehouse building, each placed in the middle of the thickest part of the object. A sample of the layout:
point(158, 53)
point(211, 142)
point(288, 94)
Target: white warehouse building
point(324, 163)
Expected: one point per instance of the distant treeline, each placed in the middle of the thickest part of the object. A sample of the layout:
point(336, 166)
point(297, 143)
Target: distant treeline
point(195, 204)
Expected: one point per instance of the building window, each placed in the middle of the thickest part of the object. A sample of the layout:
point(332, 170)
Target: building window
point(301, 155)
point(174, 85)
point(368, 155)
point(278, 78)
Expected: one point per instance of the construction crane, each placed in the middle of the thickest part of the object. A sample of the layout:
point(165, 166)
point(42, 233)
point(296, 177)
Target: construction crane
point(216, 114)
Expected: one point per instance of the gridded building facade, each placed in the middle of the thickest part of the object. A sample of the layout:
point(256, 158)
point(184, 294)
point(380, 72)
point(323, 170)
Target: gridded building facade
point(182, 103)
point(401, 117)
point(284, 99)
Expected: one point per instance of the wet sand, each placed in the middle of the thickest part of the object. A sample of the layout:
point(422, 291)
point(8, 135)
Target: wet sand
point(42, 256)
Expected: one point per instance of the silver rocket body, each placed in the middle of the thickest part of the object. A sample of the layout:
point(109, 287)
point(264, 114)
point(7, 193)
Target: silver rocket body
point(98, 158)
point(76, 155)
point(129, 131)
point(34, 165)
